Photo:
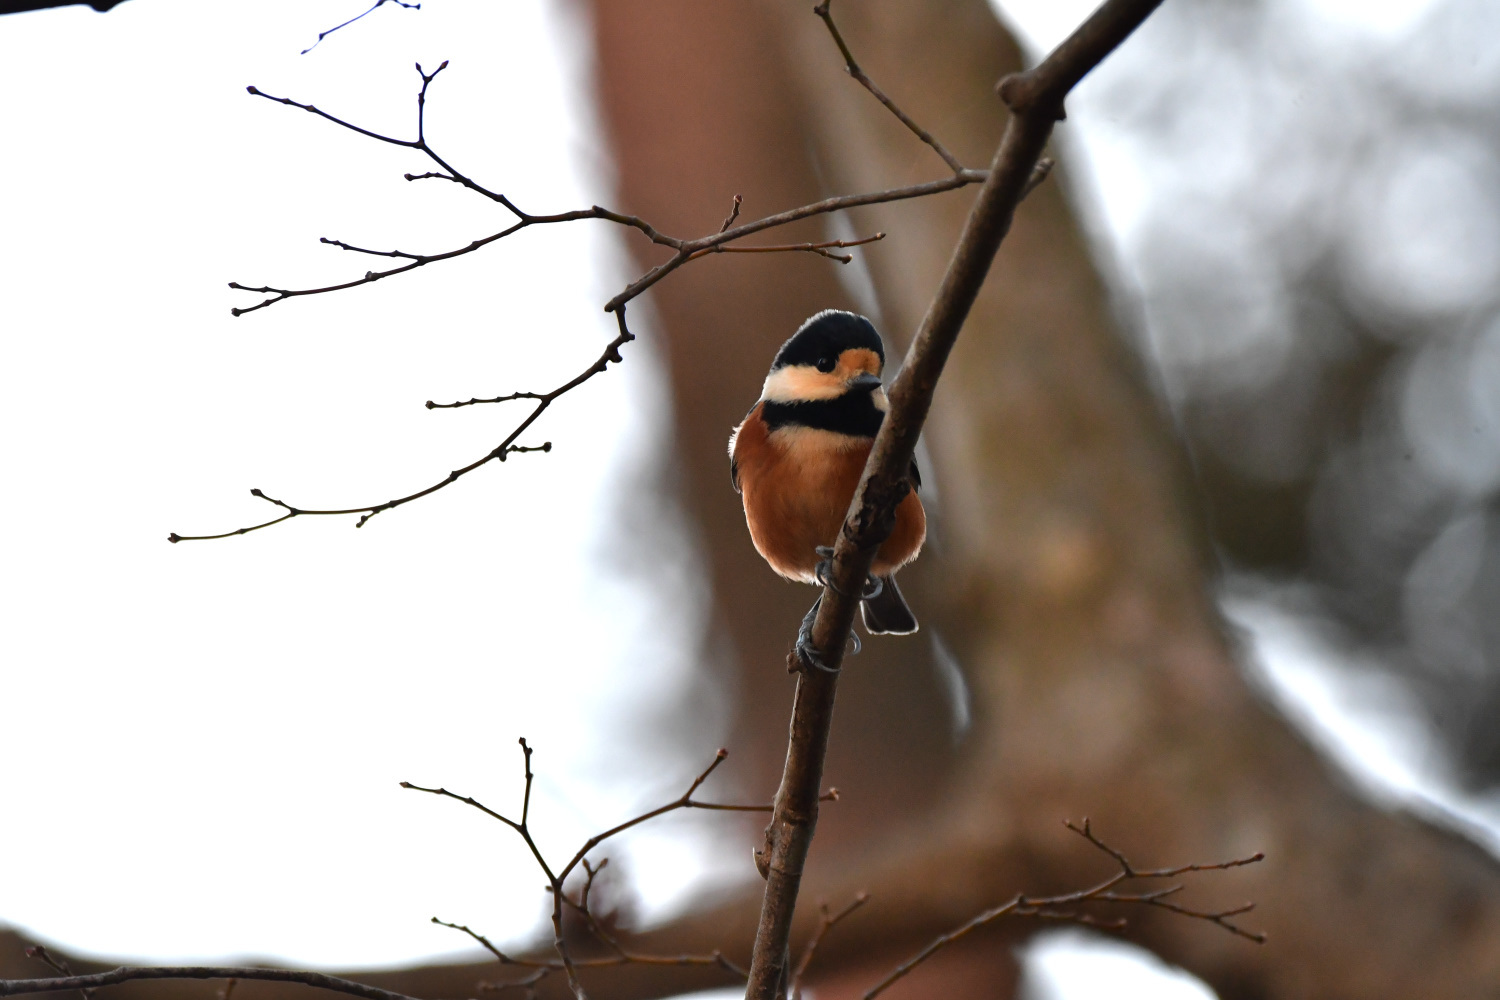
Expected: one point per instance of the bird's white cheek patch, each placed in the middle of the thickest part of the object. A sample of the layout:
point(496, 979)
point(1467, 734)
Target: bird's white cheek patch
point(800, 384)
point(881, 403)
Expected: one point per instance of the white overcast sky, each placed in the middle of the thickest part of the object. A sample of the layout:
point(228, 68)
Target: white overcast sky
point(202, 742)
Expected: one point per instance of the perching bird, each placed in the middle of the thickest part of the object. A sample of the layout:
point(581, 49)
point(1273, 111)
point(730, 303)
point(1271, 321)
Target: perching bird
point(798, 455)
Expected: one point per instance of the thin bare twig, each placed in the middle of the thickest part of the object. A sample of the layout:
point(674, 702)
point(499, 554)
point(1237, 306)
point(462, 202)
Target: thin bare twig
point(817, 248)
point(610, 355)
point(1058, 907)
point(55, 963)
point(826, 923)
point(378, 4)
point(125, 974)
point(852, 67)
point(734, 213)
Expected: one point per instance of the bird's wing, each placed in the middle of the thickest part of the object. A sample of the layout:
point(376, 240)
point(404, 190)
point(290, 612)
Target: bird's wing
point(734, 439)
point(914, 473)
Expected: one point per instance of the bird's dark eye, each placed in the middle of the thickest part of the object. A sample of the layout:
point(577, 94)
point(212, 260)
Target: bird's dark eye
point(825, 364)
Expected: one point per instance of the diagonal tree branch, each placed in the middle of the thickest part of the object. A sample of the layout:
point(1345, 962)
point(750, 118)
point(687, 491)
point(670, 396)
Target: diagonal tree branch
point(852, 66)
point(1035, 98)
point(124, 974)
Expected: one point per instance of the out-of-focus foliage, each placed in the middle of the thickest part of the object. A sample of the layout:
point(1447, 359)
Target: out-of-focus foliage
point(1317, 254)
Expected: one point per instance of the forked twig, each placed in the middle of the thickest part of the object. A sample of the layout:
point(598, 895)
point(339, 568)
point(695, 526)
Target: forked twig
point(557, 879)
point(683, 251)
point(1059, 907)
point(826, 923)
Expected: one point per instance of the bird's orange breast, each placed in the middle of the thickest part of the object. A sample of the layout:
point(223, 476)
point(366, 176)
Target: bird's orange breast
point(797, 483)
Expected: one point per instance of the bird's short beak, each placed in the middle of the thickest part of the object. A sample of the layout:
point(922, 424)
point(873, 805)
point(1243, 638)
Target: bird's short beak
point(864, 381)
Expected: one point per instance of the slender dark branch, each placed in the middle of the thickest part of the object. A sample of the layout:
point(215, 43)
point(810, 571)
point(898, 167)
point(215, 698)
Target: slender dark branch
point(41, 954)
point(124, 974)
point(378, 4)
point(174, 537)
point(419, 143)
point(822, 10)
point(734, 213)
point(467, 800)
point(490, 947)
point(520, 827)
point(374, 253)
point(610, 355)
point(1087, 833)
point(884, 483)
point(255, 91)
point(825, 924)
point(592, 871)
point(1042, 88)
point(57, 964)
point(817, 248)
point(623, 955)
point(682, 802)
point(626, 956)
point(1061, 907)
point(417, 260)
point(526, 796)
point(496, 399)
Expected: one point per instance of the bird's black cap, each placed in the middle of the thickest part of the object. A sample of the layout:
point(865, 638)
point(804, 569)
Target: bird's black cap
point(827, 335)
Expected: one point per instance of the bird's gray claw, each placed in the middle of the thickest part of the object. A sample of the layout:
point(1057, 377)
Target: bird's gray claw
point(807, 654)
point(824, 567)
point(811, 660)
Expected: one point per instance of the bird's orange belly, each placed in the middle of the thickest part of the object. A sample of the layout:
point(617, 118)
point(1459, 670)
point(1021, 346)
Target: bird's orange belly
point(798, 500)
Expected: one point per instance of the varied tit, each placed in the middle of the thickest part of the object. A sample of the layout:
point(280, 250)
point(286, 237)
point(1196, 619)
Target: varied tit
point(798, 456)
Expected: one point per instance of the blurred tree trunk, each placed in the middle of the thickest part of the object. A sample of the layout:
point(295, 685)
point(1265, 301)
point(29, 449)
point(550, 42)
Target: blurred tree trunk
point(1067, 574)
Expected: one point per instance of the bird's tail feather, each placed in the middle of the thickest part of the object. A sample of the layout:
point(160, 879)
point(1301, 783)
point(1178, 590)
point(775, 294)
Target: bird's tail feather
point(886, 613)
